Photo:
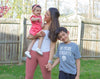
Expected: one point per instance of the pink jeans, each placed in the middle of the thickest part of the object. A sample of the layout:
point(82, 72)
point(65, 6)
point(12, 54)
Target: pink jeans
point(32, 63)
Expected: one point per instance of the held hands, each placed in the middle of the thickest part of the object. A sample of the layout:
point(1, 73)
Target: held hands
point(49, 67)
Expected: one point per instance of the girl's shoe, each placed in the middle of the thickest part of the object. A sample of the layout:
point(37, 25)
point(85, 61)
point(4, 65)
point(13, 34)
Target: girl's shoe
point(39, 51)
point(27, 53)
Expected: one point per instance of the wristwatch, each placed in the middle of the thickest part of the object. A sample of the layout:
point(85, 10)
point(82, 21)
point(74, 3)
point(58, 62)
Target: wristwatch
point(50, 61)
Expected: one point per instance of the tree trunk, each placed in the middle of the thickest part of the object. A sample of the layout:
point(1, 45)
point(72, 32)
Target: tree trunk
point(58, 4)
point(89, 14)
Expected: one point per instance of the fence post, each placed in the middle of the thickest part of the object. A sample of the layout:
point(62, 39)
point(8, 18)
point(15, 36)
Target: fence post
point(21, 38)
point(79, 34)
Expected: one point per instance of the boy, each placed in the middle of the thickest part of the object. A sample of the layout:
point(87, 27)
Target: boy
point(68, 55)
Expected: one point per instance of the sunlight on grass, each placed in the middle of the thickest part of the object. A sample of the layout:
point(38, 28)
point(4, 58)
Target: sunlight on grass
point(90, 69)
point(7, 76)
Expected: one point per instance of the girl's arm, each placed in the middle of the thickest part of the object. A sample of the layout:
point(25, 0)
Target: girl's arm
point(78, 68)
point(35, 19)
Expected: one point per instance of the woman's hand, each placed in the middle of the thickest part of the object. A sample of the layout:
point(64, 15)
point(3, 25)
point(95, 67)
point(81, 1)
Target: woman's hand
point(49, 67)
point(41, 33)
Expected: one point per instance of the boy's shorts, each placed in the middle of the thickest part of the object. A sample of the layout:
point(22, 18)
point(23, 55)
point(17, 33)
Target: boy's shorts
point(63, 75)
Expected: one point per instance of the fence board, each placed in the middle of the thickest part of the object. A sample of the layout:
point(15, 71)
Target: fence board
point(9, 40)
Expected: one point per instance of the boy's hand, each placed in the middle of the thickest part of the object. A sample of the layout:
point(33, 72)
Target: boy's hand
point(77, 77)
point(49, 67)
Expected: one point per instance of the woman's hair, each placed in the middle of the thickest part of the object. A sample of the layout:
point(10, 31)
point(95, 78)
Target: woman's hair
point(34, 6)
point(54, 13)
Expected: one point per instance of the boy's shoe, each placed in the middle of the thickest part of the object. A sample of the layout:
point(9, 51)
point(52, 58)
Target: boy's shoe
point(39, 51)
point(27, 53)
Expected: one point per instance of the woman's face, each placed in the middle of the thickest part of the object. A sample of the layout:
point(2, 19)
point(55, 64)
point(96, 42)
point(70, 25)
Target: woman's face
point(47, 17)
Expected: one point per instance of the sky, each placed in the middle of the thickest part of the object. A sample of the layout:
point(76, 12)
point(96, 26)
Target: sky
point(68, 6)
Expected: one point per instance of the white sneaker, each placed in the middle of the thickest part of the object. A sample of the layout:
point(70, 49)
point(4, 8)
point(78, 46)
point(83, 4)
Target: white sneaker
point(39, 51)
point(27, 53)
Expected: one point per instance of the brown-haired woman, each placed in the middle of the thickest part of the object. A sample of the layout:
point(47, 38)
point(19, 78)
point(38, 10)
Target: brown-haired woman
point(48, 46)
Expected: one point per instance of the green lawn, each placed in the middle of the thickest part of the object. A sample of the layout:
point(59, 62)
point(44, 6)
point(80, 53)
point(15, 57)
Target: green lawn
point(90, 69)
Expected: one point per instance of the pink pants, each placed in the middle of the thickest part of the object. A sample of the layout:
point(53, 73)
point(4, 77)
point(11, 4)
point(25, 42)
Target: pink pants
point(32, 63)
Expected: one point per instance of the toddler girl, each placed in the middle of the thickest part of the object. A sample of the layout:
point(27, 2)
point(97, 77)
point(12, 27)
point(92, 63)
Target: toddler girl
point(36, 27)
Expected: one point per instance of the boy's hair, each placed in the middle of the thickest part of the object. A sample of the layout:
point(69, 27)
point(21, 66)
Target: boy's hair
point(60, 29)
point(34, 6)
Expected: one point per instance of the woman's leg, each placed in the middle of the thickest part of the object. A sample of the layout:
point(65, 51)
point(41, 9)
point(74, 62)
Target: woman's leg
point(31, 65)
point(43, 60)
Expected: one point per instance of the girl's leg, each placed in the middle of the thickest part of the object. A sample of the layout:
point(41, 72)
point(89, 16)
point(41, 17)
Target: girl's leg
point(38, 50)
point(31, 44)
point(31, 65)
point(43, 60)
point(30, 36)
point(27, 53)
point(40, 42)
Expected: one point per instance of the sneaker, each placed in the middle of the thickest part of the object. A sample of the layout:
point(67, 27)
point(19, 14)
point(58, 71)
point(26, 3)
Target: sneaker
point(27, 53)
point(39, 51)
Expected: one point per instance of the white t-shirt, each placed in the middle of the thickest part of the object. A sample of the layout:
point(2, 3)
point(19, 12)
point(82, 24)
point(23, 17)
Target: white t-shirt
point(45, 47)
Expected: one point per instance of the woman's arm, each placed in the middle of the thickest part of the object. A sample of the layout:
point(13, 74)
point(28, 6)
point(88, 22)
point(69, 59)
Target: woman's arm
point(78, 68)
point(52, 50)
point(39, 34)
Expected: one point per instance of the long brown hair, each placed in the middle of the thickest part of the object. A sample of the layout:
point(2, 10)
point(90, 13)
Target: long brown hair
point(54, 23)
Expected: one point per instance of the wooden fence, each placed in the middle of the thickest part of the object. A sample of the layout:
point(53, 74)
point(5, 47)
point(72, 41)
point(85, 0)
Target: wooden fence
point(13, 42)
point(89, 38)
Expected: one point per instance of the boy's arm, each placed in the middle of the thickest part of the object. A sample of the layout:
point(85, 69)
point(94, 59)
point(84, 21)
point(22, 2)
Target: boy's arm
point(78, 68)
point(55, 62)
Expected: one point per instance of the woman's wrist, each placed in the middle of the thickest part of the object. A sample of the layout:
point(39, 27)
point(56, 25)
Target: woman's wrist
point(50, 61)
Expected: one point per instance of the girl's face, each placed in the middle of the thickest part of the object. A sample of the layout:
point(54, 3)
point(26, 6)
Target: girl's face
point(64, 37)
point(47, 17)
point(37, 11)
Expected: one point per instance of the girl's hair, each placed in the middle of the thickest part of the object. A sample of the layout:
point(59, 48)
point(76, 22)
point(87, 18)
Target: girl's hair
point(54, 23)
point(34, 6)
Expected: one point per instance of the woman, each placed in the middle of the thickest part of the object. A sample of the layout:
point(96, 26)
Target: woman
point(48, 46)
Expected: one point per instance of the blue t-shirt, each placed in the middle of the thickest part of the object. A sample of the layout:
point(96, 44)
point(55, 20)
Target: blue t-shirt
point(68, 53)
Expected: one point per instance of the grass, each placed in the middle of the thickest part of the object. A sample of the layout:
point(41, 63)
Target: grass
point(90, 69)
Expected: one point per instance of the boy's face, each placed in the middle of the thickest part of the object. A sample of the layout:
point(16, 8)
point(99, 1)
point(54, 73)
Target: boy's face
point(63, 36)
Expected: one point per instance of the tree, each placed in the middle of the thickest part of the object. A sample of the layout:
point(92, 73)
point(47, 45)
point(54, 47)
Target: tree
point(4, 8)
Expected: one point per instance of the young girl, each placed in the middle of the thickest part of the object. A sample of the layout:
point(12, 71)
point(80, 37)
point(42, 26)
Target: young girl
point(36, 21)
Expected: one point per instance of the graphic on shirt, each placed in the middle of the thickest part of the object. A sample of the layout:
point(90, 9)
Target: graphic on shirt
point(64, 58)
point(65, 51)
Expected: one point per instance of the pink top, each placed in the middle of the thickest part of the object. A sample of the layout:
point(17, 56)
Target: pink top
point(36, 25)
